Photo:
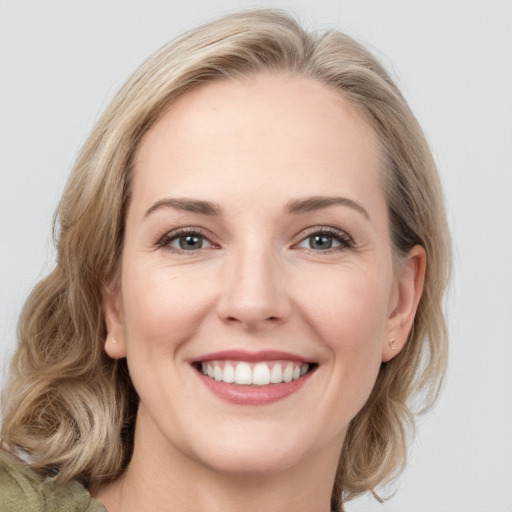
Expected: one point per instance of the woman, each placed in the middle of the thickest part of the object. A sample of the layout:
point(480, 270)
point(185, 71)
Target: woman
point(252, 255)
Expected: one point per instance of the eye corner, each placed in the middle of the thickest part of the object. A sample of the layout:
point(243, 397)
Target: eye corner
point(173, 241)
point(329, 240)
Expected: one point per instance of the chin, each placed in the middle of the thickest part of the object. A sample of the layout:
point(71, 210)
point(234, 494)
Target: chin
point(259, 448)
point(241, 461)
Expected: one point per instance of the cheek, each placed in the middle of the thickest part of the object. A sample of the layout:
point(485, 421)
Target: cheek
point(349, 313)
point(162, 307)
point(347, 316)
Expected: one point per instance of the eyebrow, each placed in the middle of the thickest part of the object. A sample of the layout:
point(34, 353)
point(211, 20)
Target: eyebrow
point(310, 204)
point(187, 205)
point(296, 206)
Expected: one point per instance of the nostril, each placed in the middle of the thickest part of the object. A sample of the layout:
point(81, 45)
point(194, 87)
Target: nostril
point(252, 323)
point(234, 319)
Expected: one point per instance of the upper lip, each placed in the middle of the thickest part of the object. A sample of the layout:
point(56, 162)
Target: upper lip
point(243, 355)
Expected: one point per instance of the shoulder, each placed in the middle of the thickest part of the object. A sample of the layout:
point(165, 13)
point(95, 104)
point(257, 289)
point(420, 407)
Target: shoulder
point(22, 490)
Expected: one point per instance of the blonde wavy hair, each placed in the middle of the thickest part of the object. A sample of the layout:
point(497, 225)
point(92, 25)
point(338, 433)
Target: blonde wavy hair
point(69, 407)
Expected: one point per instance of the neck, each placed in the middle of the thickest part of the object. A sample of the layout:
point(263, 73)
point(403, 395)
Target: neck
point(170, 480)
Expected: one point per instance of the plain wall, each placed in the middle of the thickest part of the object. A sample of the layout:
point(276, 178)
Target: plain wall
point(60, 62)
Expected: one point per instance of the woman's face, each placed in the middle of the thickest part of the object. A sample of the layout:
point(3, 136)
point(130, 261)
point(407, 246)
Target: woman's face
point(257, 251)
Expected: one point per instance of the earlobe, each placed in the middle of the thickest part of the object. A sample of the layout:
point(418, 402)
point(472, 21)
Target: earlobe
point(114, 342)
point(409, 291)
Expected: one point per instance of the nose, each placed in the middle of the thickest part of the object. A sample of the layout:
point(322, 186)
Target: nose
point(254, 293)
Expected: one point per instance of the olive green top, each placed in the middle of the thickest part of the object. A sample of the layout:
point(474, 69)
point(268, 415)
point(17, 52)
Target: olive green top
point(22, 490)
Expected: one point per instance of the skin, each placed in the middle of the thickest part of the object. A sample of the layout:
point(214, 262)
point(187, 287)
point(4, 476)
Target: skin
point(257, 283)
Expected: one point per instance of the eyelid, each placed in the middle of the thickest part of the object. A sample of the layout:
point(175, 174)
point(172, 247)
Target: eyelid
point(163, 240)
point(346, 241)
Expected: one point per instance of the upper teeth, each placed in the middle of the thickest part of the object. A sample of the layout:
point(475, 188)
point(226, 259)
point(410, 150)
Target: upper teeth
point(259, 374)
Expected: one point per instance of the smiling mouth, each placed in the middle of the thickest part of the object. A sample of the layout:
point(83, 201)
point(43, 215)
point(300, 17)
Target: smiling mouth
point(261, 373)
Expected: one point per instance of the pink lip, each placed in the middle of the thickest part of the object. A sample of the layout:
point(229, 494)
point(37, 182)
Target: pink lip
point(253, 395)
point(242, 355)
point(246, 394)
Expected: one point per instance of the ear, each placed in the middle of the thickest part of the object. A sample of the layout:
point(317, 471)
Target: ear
point(115, 345)
point(407, 294)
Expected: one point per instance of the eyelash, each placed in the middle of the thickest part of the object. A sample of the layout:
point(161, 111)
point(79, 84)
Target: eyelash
point(344, 240)
point(165, 241)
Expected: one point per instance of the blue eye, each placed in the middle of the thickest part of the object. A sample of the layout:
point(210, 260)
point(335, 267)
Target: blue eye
point(185, 242)
point(321, 242)
point(325, 240)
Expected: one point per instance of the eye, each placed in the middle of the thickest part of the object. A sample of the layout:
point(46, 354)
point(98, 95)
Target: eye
point(184, 241)
point(189, 242)
point(323, 240)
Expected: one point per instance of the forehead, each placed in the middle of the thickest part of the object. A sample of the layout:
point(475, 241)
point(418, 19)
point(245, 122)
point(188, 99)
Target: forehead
point(272, 133)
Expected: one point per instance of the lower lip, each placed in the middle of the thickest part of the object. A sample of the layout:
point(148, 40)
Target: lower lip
point(253, 395)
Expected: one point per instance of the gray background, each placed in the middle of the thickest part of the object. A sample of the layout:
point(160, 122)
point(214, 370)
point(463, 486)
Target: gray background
point(61, 61)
